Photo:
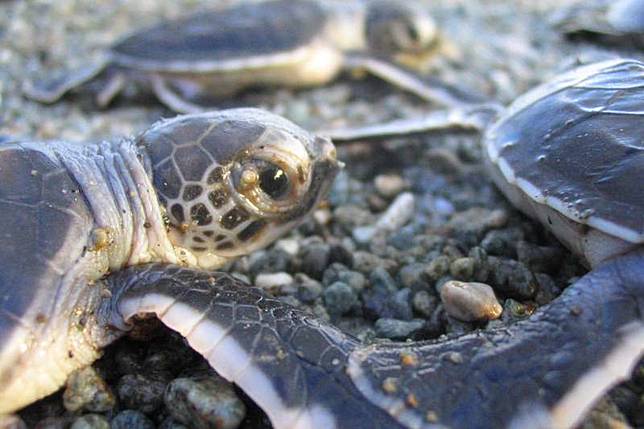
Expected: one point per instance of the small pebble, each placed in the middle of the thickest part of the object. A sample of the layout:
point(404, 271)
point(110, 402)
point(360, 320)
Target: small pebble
point(424, 303)
point(288, 245)
point(131, 419)
point(339, 272)
point(139, 392)
point(308, 290)
point(54, 423)
point(540, 258)
point(477, 221)
point(340, 253)
point(399, 212)
point(438, 267)
point(273, 261)
point(171, 423)
point(90, 421)
point(605, 415)
point(86, 390)
point(413, 276)
point(366, 263)
point(315, 256)
point(12, 421)
point(271, 281)
point(339, 298)
point(389, 185)
point(383, 299)
point(470, 302)
point(515, 310)
point(512, 278)
point(462, 268)
point(204, 402)
point(397, 329)
point(502, 242)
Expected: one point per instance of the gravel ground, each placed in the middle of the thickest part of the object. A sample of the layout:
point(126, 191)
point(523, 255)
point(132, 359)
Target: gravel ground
point(372, 285)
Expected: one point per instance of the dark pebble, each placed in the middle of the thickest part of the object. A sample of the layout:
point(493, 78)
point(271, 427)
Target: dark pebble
point(339, 253)
point(204, 402)
point(339, 298)
point(272, 261)
point(315, 255)
point(413, 276)
point(171, 423)
point(515, 310)
point(86, 390)
point(382, 299)
point(502, 242)
point(366, 262)
point(511, 278)
point(338, 272)
point(90, 421)
point(437, 268)
point(540, 258)
point(424, 303)
point(307, 289)
point(141, 393)
point(131, 419)
point(398, 329)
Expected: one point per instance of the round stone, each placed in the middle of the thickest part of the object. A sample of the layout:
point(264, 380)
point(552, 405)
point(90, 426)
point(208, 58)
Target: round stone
point(470, 302)
point(204, 402)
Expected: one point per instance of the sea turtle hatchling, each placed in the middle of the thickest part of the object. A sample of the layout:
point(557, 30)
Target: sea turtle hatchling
point(613, 21)
point(232, 181)
point(276, 42)
point(570, 154)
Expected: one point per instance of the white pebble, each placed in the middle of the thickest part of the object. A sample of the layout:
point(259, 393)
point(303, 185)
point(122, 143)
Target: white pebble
point(470, 301)
point(288, 245)
point(398, 214)
point(273, 280)
point(389, 185)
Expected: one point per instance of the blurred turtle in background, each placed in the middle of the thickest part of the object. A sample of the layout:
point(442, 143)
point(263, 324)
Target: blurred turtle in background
point(281, 42)
point(609, 21)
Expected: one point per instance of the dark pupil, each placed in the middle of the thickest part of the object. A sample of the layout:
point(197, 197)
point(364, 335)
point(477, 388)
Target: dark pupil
point(412, 33)
point(273, 182)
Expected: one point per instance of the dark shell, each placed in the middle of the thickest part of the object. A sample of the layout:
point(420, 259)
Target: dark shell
point(42, 217)
point(576, 145)
point(223, 37)
point(627, 16)
point(619, 22)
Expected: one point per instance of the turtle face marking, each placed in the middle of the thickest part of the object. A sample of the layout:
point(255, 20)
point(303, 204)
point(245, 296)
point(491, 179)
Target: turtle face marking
point(399, 27)
point(235, 181)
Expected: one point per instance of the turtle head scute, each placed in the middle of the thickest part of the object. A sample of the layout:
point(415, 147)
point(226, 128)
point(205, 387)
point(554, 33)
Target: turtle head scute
point(395, 27)
point(234, 181)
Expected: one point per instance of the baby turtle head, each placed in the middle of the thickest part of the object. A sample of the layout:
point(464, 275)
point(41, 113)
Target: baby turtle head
point(399, 27)
point(233, 181)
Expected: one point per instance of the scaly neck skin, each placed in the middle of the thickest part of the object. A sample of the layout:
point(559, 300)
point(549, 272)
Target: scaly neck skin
point(117, 187)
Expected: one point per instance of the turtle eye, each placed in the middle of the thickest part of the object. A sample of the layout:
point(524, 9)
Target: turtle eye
point(412, 33)
point(274, 182)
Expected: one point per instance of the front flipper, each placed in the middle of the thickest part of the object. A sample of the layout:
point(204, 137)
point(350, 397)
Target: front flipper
point(173, 100)
point(52, 89)
point(292, 365)
point(471, 118)
point(545, 371)
point(424, 87)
